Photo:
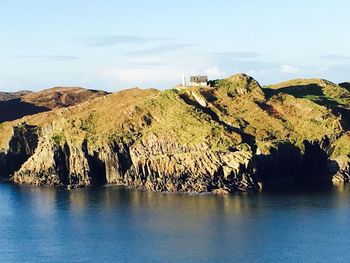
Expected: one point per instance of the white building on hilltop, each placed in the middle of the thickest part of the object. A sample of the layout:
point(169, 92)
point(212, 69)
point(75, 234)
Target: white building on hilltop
point(199, 81)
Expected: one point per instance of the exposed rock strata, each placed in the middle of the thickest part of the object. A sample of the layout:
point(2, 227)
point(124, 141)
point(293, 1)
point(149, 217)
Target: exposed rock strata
point(152, 165)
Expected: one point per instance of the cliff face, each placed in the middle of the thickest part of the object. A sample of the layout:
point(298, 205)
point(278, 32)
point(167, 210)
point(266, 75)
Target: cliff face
point(151, 164)
point(22, 145)
point(234, 137)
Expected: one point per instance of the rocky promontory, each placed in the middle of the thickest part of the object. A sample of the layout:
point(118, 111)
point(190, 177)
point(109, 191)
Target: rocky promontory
point(236, 136)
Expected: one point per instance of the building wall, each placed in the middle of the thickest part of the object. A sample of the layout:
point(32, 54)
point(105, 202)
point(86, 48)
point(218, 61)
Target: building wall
point(202, 84)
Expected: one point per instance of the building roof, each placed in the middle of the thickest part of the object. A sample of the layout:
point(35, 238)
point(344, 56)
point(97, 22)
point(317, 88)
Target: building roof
point(198, 79)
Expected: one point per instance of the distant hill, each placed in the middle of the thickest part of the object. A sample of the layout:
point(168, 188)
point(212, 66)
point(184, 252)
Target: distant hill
point(19, 104)
point(320, 91)
point(59, 97)
point(345, 85)
point(13, 95)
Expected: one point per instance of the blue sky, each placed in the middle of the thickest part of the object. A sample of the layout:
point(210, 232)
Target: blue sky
point(119, 44)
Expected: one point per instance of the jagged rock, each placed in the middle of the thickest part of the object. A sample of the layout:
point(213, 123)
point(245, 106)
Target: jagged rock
point(200, 99)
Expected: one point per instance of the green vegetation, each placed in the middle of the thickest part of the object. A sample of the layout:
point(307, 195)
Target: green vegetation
point(176, 120)
point(320, 91)
point(342, 146)
point(88, 124)
point(58, 138)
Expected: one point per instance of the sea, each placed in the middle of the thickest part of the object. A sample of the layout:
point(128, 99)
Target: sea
point(117, 224)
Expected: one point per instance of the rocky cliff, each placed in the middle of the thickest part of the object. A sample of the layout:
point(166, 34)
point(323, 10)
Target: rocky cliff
point(236, 136)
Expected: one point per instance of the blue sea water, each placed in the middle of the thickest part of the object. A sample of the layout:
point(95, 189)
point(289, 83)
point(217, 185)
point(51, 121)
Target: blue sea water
point(114, 224)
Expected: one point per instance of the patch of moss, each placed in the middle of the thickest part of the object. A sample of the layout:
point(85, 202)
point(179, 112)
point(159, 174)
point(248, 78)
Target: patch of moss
point(58, 138)
point(88, 124)
point(341, 146)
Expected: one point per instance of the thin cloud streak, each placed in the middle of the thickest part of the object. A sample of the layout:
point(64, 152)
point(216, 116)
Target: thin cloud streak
point(335, 57)
point(238, 54)
point(160, 49)
point(289, 69)
point(114, 40)
point(63, 58)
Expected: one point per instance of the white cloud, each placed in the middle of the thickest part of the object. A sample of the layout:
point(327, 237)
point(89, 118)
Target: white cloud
point(290, 69)
point(237, 54)
point(113, 40)
point(213, 72)
point(145, 62)
point(140, 75)
point(335, 57)
point(49, 57)
point(159, 49)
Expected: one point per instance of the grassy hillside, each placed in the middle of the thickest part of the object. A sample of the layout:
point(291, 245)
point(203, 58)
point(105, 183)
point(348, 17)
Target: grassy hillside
point(236, 107)
point(320, 91)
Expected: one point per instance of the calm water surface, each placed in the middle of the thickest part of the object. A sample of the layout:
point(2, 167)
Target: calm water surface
point(113, 224)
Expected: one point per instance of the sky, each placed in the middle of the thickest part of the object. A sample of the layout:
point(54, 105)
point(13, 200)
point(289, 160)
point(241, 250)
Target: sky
point(115, 44)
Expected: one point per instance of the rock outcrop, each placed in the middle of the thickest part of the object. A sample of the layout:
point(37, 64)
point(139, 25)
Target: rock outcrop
point(151, 164)
point(22, 145)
